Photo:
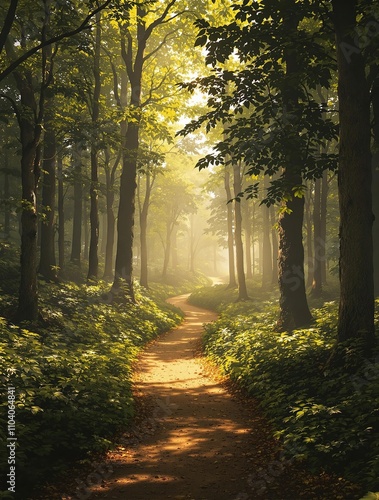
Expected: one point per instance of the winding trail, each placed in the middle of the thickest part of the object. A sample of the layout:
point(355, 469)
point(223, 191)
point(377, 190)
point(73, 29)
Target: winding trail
point(193, 439)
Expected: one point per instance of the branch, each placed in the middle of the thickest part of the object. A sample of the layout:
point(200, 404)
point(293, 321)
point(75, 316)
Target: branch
point(159, 46)
point(14, 107)
point(8, 22)
point(159, 20)
point(127, 54)
point(52, 40)
point(115, 77)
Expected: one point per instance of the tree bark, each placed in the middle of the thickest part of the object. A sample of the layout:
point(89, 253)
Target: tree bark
point(144, 210)
point(247, 224)
point(93, 258)
point(310, 236)
point(275, 249)
point(167, 250)
point(47, 266)
point(7, 211)
point(76, 248)
point(237, 185)
point(375, 180)
point(61, 221)
point(30, 119)
point(356, 309)
point(266, 245)
point(323, 220)
point(110, 174)
point(316, 290)
point(229, 207)
point(294, 310)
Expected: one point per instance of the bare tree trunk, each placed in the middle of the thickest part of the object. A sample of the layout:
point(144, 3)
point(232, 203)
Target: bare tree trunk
point(294, 310)
point(375, 177)
point(247, 225)
point(86, 228)
point(110, 175)
point(47, 266)
point(7, 211)
point(308, 219)
point(323, 213)
point(61, 221)
point(167, 251)
point(237, 185)
point(356, 310)
point(317, 241)
point(229, 207)
point(266, 249)
point(275, 249)
point(144, 210)
point(93, 258)
point(76, 247)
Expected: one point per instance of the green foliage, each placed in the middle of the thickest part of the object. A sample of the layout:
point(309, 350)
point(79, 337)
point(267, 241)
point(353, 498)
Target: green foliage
point(73, 375)
point(218, 297)
point(176, 284)
point(325, 416)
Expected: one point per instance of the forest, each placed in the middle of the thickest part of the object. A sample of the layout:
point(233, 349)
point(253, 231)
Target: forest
point(186, 176)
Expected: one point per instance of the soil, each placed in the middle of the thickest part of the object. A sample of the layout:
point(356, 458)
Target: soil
point(196, 437)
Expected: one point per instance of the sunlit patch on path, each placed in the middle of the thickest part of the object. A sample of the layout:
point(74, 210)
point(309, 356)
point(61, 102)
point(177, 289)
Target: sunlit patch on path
point(196, 439)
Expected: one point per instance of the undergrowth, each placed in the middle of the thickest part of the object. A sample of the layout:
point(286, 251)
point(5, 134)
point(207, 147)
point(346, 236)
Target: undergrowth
point(71, 372)
point(328, 418)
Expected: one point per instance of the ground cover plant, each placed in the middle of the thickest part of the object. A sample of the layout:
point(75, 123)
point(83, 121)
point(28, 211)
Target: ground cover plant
point(325, 415)
point(71, 370)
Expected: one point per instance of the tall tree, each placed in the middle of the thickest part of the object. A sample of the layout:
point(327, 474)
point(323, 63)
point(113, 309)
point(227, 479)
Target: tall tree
point(30, 120)
point(230, 228)
point(134, 54)
point(356, 310)
point(237, 187)
point(47, 265)
point(93, 260)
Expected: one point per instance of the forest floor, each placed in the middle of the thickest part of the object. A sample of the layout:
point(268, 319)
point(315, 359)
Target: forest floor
point(195, 436)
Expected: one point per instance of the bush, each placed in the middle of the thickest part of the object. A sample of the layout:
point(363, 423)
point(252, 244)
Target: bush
point(328, 418)
point(72, 376)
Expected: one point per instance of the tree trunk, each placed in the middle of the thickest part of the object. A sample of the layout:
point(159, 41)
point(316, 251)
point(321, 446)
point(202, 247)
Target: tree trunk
point(28, 294)
point(323, 214)
point(308, 220)
point(237, 185)
point(125, 222)
point(61, 240)
point(86, 228)
point(294, 310)
point(174, 246)
point(93, 258)
point(47, 266)
point(30, 133)
point(7, 210)
point(143, 232)
point(111, 221)
point(274, 241)
point(356, 310)
point(317, 242)
point(375, 180)
point(247, 225)
point(266, 249)
point(229, 208)
point(76, 248)
point(167, 251)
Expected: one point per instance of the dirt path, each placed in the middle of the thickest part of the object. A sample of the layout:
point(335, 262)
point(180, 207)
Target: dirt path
point(193, 440)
